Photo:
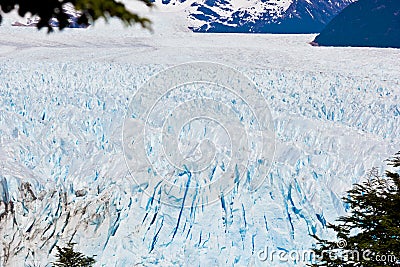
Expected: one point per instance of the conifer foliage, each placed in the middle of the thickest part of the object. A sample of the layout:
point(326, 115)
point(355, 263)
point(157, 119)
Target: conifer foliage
point(67, 257)
point(369, 235)
point(91, 10)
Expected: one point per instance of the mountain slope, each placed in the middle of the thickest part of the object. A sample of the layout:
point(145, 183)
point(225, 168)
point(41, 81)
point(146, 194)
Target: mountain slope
point(259, 16)
point(374, 23)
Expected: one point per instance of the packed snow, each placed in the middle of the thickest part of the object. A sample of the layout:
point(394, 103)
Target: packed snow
point(63, 175)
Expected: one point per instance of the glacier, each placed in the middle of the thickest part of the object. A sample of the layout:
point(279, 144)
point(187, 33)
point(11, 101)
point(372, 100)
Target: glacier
point(63, 175)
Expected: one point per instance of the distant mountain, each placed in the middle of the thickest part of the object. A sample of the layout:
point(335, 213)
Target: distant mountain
point(259, 16)
point(374, 23)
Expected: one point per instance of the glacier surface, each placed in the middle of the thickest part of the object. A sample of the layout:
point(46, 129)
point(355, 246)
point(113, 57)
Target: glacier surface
point(63, 176)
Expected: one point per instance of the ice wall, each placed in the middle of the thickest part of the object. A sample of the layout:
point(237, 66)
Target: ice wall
point(63, 176)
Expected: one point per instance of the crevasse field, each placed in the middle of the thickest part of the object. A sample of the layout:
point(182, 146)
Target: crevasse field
point(63, 175)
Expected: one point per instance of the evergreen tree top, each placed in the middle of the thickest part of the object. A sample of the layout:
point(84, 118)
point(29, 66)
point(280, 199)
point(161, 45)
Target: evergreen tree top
point(90, 11)
point(371, 229)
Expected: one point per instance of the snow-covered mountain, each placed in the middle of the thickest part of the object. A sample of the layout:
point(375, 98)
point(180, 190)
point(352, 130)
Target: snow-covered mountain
point(258, 16)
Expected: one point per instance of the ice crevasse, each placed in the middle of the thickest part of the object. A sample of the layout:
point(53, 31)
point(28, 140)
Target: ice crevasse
point(63, 176)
